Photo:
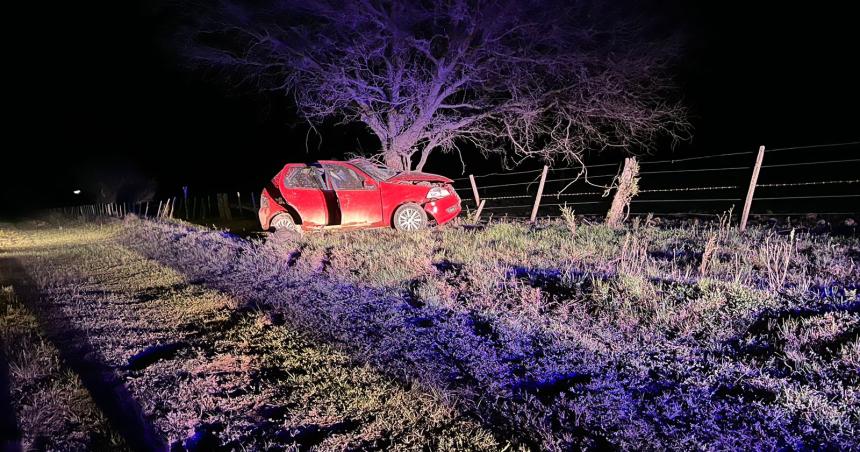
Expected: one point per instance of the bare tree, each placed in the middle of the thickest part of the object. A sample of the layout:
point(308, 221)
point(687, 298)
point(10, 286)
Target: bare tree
point(522, 78)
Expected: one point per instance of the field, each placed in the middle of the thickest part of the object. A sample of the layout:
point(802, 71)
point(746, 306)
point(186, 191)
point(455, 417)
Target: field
point(499, 337)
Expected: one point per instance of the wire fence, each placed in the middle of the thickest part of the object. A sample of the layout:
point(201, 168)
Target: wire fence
point(702, 185)
point(793, 184)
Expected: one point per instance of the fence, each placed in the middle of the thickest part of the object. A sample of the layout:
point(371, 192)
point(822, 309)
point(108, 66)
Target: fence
point(698, 185)
point(221, 206)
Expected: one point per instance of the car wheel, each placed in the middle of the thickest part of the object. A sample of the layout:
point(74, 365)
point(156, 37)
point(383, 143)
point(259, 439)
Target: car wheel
point(410, 217)
point(283, 222)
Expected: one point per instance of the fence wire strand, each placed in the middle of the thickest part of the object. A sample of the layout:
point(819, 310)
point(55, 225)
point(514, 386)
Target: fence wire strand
point(824, 162)
point(814, 146)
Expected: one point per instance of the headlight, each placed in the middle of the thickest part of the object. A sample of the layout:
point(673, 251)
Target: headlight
point(437, 192)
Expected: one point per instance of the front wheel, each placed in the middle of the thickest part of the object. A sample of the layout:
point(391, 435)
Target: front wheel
point(410, 217)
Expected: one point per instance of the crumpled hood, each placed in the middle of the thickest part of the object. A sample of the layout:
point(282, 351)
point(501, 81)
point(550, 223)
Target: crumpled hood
point(417, 176)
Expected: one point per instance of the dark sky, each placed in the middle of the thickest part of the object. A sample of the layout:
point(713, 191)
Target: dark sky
point(96, 87)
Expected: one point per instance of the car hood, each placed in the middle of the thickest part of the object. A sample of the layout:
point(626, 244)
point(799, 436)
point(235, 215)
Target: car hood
point(417, 176)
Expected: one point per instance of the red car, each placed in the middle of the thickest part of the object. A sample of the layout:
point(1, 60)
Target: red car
point(357, 193)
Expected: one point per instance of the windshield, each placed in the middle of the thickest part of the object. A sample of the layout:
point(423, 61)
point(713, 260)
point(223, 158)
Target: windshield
point(376, 171)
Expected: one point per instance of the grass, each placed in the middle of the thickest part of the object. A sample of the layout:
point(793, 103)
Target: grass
point(202, 367)
point(54, 410)
point(507, 335)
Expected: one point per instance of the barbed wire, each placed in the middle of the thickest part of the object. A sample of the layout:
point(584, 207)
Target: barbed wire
point(687, 200)
point(799, 213)
point(582, 193)
point(545, 195)
point(495, 198)
point(800, 184)
point(774, 198)
point(665, 190)
point(523, 206)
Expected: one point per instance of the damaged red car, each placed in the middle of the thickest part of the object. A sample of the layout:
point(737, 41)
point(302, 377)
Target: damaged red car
point(355, 194)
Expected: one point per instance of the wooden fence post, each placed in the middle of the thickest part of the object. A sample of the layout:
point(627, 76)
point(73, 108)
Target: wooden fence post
point(478, 212)
point(475, 190)
point(539, 193)
point(239, 198)
point(751, 190)
point(225, 199)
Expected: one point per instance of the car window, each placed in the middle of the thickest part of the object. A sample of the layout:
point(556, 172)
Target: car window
point(343, 178)
point(303, 178)
point(376, 171)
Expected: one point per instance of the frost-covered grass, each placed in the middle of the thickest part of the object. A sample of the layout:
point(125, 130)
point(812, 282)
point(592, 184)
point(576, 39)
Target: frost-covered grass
point(557, 339)
point(547, 337)
point(54, 410)
point(203, 368)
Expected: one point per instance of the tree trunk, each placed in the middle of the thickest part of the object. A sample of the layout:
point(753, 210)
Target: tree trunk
point(393, 160)
point(423, 160)
point(628, 186)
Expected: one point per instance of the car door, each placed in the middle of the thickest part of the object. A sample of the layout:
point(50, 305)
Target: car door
point(303, 190)
point(358, 195)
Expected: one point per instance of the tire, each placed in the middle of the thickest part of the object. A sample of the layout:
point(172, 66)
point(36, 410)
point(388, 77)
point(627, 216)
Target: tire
point(409, 217)
point(283, 222)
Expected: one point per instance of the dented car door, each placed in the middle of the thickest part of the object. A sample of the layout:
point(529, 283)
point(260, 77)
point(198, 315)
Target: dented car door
point(358, 195)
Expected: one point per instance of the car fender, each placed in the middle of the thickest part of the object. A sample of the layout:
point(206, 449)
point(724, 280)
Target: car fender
point(395, 195)
point(271, 206)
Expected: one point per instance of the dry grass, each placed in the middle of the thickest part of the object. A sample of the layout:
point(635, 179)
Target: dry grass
point(676, 330)
point(53, 409)
point(217, 369)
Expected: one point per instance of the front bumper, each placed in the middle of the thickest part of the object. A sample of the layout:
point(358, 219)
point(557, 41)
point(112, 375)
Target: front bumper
point(444, 209)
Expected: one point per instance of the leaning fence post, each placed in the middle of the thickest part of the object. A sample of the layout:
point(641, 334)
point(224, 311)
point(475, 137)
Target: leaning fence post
point(539, 193)
point(474, 190)
point(751, 190)
point(478, 212)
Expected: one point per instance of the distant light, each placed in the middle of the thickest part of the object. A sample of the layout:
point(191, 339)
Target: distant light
point(77, 192)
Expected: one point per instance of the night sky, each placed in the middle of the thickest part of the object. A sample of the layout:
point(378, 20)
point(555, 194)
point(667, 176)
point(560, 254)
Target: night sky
point(96, 89)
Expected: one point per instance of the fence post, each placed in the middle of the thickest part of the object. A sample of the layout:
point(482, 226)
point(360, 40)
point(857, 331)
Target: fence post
point(478, 212)
point(539, 193)
point(239, 198)
point(751, 190)
point(475, 190)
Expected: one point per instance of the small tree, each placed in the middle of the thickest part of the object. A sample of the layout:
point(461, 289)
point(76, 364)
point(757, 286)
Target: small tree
point(524, 78)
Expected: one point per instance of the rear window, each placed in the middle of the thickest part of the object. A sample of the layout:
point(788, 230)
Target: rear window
point(306, 177)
